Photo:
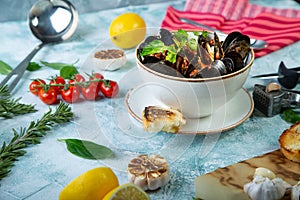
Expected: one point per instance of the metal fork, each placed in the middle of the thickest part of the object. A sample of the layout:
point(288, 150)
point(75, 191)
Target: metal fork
point(19, 70)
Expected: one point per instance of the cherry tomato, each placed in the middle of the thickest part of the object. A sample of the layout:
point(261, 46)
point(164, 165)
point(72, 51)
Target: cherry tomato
point(48, 96)
point(71, 95)
point(36, 85)
point(73, 82)
point(90, 92)
point(109, 88)
point(97, 76)
point(58, 80)
point(79, 79)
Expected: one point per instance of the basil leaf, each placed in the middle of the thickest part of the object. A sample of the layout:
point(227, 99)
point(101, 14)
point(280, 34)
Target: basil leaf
point(5, 68)
point(290, 116)
point(67, 72)
point(57, 65)
point(33, 66)
point(86, 149)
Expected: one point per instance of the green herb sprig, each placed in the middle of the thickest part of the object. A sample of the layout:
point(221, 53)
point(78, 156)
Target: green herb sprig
point(25, 137)
point(10, 107)
point(65, 68)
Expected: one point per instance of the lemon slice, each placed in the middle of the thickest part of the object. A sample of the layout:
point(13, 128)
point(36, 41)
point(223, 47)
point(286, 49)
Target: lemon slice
point(127, 191)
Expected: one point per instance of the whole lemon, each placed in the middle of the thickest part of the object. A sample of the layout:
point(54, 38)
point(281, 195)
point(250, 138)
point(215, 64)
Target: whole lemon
point(127, 30)
point(92, 185)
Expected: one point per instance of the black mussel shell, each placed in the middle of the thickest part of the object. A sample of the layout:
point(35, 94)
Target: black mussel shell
point(166, 37)
point(203, 56)
point(220, 67)
point(149, 59)
point(164, 68)
point(229, 65)
point(238, 42)
point(230, 37)
point(187, 53)
point(241, 45)
point(236, 59)
point(205, 73)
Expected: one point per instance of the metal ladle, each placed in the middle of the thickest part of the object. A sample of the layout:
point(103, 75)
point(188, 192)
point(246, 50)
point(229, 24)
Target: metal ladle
point(50, 21)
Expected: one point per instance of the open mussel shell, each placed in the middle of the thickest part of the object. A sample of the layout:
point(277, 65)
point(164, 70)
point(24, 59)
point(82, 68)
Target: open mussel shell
point(237, 60)
point(238, 42)
point(230, 37)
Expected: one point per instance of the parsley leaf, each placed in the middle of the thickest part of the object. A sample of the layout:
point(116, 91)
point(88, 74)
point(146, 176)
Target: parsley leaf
point(155, 46)
point(181, 39)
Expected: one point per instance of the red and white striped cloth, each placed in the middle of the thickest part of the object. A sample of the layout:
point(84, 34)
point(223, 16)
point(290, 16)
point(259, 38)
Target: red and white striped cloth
point(278, 27)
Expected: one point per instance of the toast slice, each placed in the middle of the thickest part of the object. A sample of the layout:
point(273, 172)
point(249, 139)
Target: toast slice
point(156, 118)
point(289, 142)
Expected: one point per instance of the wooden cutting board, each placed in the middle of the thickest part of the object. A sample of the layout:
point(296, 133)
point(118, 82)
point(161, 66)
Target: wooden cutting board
point(228, 182)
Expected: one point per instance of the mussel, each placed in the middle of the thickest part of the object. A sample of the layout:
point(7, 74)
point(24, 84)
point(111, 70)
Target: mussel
point(209, 58)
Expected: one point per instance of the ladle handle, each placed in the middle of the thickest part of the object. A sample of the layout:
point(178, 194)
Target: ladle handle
point(20, 69)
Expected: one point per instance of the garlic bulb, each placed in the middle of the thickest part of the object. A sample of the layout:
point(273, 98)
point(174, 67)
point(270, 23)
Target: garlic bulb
point(266, 186)
point(148, 172)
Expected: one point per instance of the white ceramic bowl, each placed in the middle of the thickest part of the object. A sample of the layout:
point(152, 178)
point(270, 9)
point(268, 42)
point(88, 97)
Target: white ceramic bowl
point(198, 97)
point(92, 63)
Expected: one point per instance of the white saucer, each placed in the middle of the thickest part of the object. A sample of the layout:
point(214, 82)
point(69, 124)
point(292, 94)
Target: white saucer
point(229, 116)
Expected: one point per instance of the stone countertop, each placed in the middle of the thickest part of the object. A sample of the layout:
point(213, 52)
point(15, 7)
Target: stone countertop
point(47, 167)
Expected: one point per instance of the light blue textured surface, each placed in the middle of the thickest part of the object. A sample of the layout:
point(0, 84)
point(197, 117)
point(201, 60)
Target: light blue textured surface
point(46, 168)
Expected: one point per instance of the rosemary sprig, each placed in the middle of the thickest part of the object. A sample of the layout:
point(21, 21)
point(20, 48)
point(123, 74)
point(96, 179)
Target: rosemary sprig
point(10, 107)
point(9, 153)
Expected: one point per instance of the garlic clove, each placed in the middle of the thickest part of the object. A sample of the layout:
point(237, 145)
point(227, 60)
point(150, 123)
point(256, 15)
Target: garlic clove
point(264, 172)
